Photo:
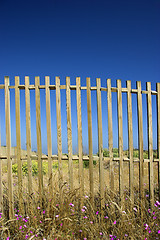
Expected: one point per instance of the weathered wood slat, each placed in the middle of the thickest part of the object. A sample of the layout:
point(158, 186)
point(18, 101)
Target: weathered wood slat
point(80, 149)
point(89, 113)
point(140, 143)
point(120, 141)
point(18, 142)
point(130, 141)
point(49, 140)
point(150, 144)
point(73, 87)
point(100, 142)
point(28, 135)
point(76, 157)
point(110, 135)
point(39, 141)
point(93, 88)
point(59, 138)
point(69, 132)
point(158, 133)
point(8, 145)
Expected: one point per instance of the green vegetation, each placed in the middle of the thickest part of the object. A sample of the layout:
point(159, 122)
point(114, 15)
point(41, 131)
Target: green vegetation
point(126, 153)
point(34, 168)
point(86, 163)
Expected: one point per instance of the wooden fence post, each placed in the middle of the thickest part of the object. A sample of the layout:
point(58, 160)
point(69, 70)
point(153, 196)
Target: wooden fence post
point(80, 150)
point(140, 140)
point(18, 141)
point(130, 141)
point(28, 135)
point(120, 141)
point(69, 132)
point(39, 141)
point(158, 133)
point(110, 136)
point(8, 145)
point(150, 144)
point(49, 140)
point(100, 142)
point(59, 138)
point(89, 111)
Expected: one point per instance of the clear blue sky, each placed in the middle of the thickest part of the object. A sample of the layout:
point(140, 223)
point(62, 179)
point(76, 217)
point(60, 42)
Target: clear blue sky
point(99, 38)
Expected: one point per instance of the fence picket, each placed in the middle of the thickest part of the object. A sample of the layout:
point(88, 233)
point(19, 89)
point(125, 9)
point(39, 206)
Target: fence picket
point(28, 135)
point(39, 141)
point(158, 133)
point(18, 141)
point(120, 141)
point(110, 135)
point(80, 149)
point(49, 140)
point(69, 132)
point(8, 145)
point(130, 141)
point(150, 141)
point(89, 111)
point(59, 138)
point(100, 141)
point(140, 142)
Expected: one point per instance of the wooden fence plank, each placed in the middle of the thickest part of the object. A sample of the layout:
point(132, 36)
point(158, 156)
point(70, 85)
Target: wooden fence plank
point(8, 145)
point(158, 132)
point(150, 144)
point(28, 135)
point(120, 141)
point(39, 141)
point(89, 111)
point(100, 142)
point(49, 140)
point(80, 149)
point(110, 135)
point(140, 142)
point(130, 142)
point(69, 132)
point(18, 142)
point(59, 138)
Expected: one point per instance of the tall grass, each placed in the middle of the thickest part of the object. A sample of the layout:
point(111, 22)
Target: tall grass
point(67, 220)
point(70, 219)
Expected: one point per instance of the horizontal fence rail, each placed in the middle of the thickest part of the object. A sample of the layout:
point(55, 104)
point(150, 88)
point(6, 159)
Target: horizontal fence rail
point(19, 157)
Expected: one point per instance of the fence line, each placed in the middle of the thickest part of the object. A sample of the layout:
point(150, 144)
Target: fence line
point(80, 157)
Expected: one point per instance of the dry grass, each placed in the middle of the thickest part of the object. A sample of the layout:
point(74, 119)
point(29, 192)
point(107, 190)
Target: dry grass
point(68, 221)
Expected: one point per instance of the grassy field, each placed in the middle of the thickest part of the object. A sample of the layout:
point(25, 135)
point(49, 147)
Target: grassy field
point(70, 220)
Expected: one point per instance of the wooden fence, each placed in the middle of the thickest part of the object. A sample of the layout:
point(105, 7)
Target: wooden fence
point(70, 157)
